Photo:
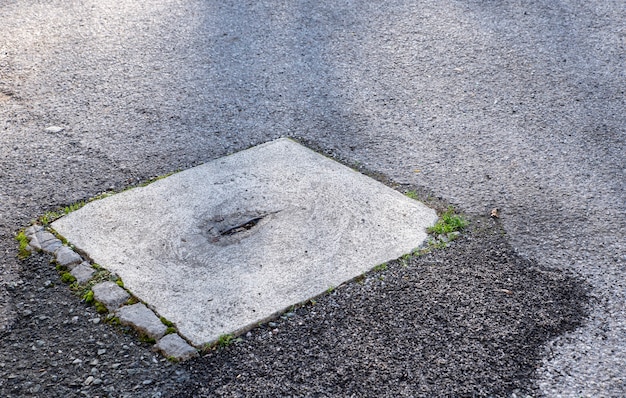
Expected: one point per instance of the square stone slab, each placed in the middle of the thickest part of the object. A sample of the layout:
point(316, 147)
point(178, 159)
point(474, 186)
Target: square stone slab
point(223, 246)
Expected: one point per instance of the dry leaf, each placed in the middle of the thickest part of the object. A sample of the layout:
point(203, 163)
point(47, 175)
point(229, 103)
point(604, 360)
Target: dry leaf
point(495, 213)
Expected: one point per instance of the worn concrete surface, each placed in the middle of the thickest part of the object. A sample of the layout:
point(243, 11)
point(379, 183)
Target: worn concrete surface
point(218, 248)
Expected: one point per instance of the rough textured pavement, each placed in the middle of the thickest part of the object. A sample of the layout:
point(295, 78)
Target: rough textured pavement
point(505, 104)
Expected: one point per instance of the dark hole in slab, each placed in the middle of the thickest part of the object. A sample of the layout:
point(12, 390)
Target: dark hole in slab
point(232, 228)
point(243, 227)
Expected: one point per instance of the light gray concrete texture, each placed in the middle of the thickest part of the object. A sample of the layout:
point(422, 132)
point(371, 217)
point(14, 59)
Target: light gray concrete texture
point(221, 247)
point(509, 104)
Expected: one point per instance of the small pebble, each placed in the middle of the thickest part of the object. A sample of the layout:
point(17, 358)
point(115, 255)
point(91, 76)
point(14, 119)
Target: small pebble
point(77, 361)
point(102, 351)
point(88, 381)
point(54, 129)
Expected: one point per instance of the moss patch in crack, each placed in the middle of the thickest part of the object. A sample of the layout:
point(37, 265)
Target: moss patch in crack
point(132, 300)
point(146, 339)
point(88, 297)
point(380, 267)
point(101, 308)
point(449, 222)
point(83, 291)
point(222, 342)
point(50, 216)
point(66, 277)
point(23, 252)
point(412, 194)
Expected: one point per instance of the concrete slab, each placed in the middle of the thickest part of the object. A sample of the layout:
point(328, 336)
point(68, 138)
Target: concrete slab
point(220, 247)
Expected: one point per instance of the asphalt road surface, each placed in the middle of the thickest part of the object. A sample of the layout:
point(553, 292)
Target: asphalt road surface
point(508, 104)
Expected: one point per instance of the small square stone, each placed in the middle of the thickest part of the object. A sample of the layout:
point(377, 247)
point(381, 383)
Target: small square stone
point(143, 319)
point(82, 272)
point(67, 257)
point(110, 294)
point(173, 346)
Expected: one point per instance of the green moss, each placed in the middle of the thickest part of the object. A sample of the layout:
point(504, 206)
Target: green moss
point(380, 267)
point(422, 251)
point(23, 252)
point(132, 300)
point(66, 277)
point(73, 207)
point(101, 196)
point(51, 216)
point(166, 322)
point(449, 222)
point(412, 194)
point(404, 260)
point(59, 237)
point(225, 340)
point(119, 283)
point(88, 297)
point(150, 181)
point(146, 339)
point(170, 330)
point(101, 308)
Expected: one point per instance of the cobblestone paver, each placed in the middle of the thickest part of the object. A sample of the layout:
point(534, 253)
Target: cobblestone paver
point(111, 295)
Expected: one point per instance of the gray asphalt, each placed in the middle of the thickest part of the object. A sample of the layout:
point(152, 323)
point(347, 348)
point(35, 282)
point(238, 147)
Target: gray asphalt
point(515, 105)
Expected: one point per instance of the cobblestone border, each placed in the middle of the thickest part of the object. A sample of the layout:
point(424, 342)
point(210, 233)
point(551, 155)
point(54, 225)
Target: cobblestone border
point(110, 296)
